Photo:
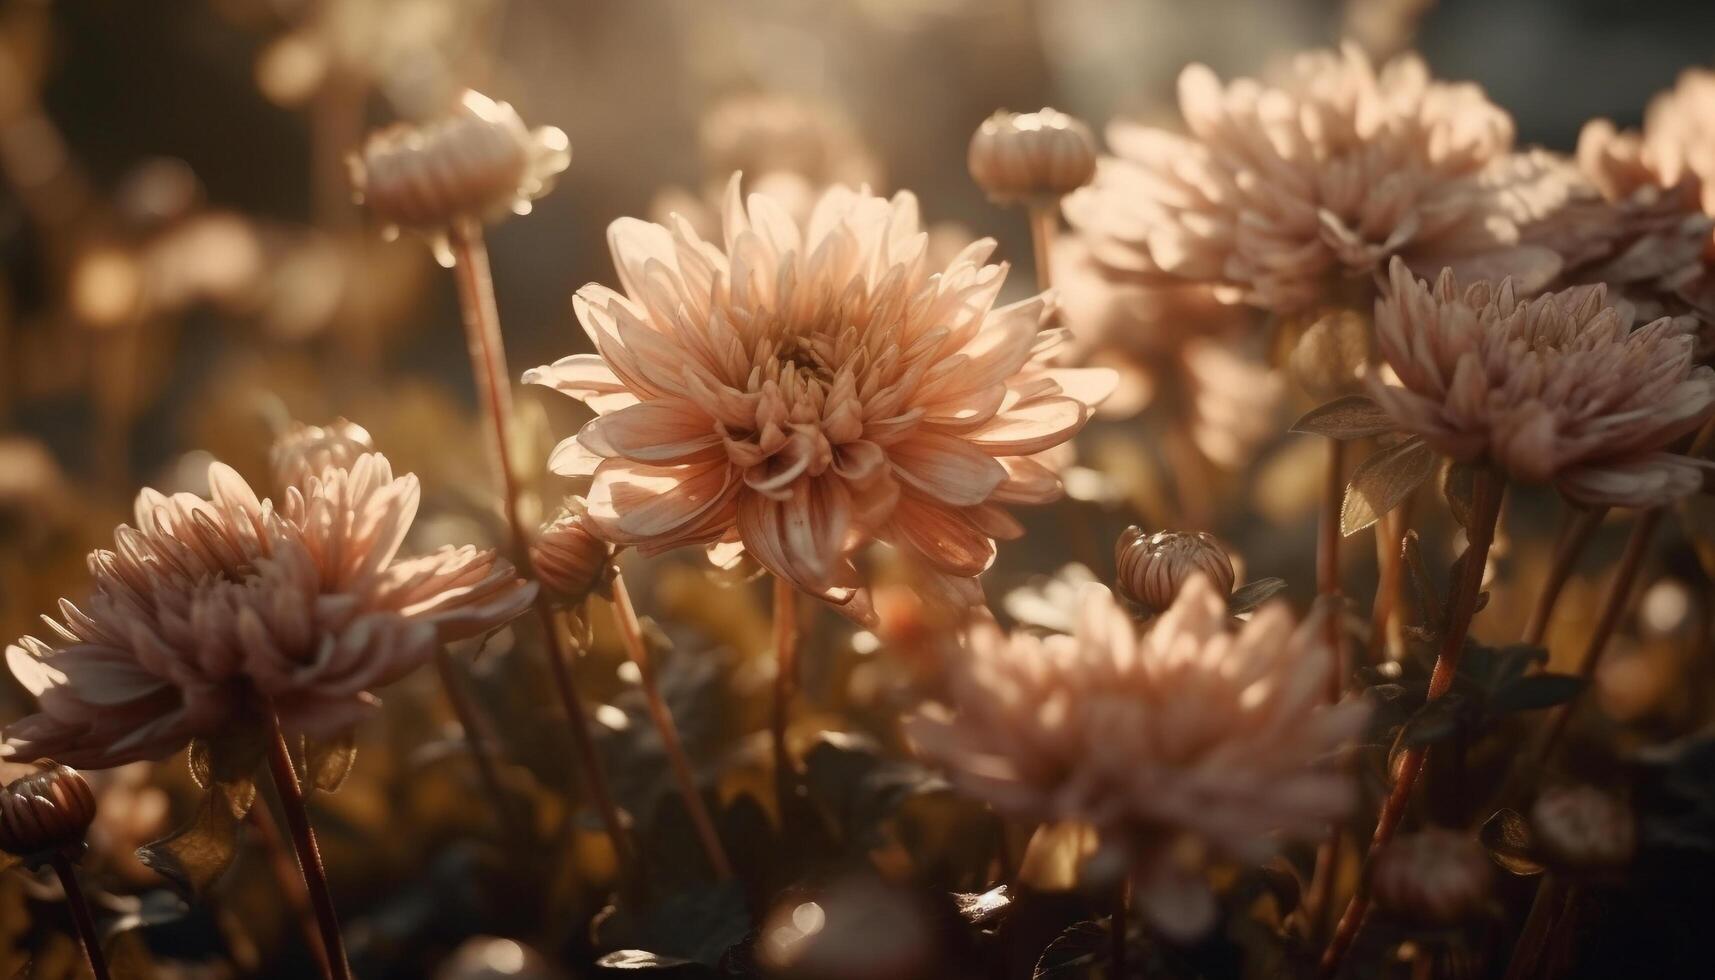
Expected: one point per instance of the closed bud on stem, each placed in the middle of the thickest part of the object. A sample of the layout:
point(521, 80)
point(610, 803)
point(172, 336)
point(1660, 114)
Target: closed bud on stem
point(477, 161)
point(570, 560)
point(1036, 157)
point(46, 813)
point(1152, 568)
point(1583, 829)
point(1433, 878)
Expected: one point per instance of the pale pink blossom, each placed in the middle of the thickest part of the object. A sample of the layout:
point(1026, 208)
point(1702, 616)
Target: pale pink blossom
point(1195, 740)
point(1554, 389)
point(1177, 349)
point(1660, 183)
point(208, 611)
point(795, 392)
point(1289, 193)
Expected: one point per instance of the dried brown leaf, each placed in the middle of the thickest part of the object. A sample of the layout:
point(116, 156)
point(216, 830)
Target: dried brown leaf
point(1351, 417)
point(193, 857)
point(1383, 481)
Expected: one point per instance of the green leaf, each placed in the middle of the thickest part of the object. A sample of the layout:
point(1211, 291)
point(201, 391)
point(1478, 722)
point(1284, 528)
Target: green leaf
point(194, 857)
point(1509, 841)
point(1351, 417)
point(1535, 692)
point(1383, 481)
point(1440, 719)
point(1253, 594)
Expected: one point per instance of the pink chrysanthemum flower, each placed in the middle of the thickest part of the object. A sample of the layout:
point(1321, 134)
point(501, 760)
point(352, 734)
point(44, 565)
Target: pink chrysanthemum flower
point(1660, 184)
point(1284, 191)
point(1196, 741)
point(1554, 389)
point(207, 611)
point(798, 391)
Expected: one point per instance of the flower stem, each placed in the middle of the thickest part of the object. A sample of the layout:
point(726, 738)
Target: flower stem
point(488, 363)
point(1043, 218)
point(1548, 910)
point(493, 383)
point(785, 685)
point(1615, 602)
point(287, 878)
point(309, 854)
point(81, 916)
point(1321, 896)
point(1614, 605)
point(631, 632)
point(1487, 491)
point(477, 738)
point(1385, 637)
point(583, 742)
point(1575, 532)
point(1328, 567)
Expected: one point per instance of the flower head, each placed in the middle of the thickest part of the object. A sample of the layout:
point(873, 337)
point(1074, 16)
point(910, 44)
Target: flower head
point(48, 811)
point(1553, 389)
point(1194, 741)
point(798, 391)
point(1282, 192)
point(763, 133)
point(1658, 188)
point(570, 561)
point(1177, 348)
point(1032, 156)
point(1152, 569)
point(478, 160)
point(207, 608)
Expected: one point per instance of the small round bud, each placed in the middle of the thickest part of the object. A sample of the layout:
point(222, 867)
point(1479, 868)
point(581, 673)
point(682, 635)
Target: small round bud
point(1331, 354)
point(570, 560)
point(305, 451)
point(46, 812)
point(1581, 828)
point(1433, 878)
point(1152, 568)
point(1035, 156)
point(475, 162)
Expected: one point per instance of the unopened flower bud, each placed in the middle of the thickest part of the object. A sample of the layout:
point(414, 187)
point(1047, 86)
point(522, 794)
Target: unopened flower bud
point(1152, 568)
point(306, 451)
point(1331, 355)
point(1433, 878)
point(475, 162)
point(1581, 828)
point(1035, 156)
point(570, 560)
point(46, 812)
